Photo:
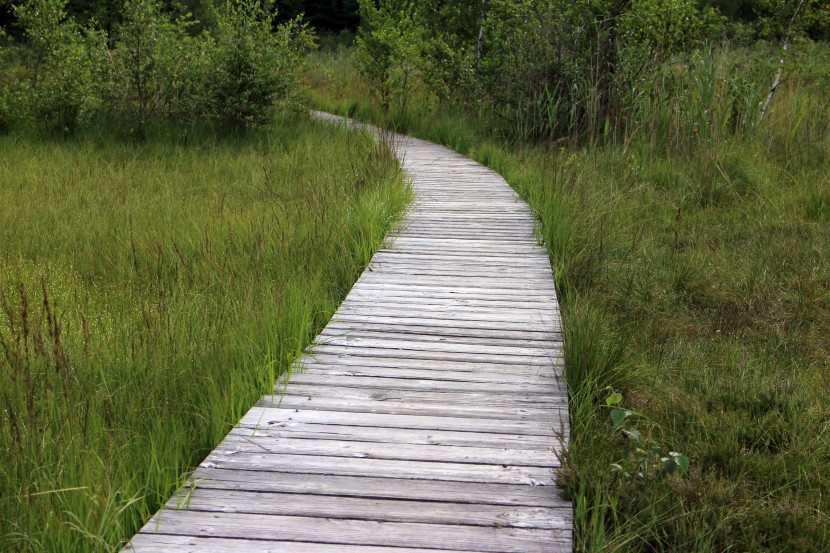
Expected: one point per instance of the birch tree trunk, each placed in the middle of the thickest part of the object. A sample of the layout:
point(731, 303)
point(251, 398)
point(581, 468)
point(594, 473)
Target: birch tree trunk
point(780, 71)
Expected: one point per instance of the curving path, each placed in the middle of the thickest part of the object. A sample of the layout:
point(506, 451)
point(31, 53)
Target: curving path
point(430, 410)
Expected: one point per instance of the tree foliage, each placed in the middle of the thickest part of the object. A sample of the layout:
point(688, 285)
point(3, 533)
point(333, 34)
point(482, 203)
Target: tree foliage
point(60, 86)
point(151, 59)
point(251, 66)
point(389, 48)
point(548, 67)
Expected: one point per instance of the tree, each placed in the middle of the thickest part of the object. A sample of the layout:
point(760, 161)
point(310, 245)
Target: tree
point(62, 85)
point(389, 47)
point(253, 66)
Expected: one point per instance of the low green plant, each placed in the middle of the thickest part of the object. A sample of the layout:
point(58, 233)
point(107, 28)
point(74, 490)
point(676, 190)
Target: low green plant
point(644, 459)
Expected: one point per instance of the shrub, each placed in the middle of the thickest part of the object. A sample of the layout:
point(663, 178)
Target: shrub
point(4, 87)
point(137, 87)
point(61, 87)
point(252, 67)
point(389, 49)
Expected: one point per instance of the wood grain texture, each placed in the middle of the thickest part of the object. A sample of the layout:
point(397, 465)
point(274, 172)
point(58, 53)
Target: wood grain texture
point(429, 415)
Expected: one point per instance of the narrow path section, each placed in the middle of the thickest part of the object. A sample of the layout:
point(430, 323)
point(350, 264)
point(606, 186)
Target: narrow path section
point(429, 413)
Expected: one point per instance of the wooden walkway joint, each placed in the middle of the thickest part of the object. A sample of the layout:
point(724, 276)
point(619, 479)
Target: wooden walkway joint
point(428, 414)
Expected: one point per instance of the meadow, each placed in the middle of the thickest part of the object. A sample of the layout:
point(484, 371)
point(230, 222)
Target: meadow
point(690, 254)
point(173, 231)
point(150, 292)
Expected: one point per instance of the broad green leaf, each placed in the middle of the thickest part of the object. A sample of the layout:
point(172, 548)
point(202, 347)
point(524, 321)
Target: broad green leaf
point(618, 416)
point(681, 460)
point(633, 434)
point(613, 399)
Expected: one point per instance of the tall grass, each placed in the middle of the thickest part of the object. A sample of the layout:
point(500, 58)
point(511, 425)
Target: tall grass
point(150, 293)
point(689, 249)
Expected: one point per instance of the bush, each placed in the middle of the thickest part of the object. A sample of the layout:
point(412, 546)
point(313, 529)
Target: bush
point(389, 49)
point(545, 67)
point(153, 66)
point(139, 76)
point(253, 67)
point(4, 113)
point(61, 86)
point(4, 92)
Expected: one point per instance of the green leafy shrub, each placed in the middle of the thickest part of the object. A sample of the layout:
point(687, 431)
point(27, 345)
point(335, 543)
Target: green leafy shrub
point(389, 49)
point(643, 458)
point(186, 63)
point(139, 74)
point(62, 86)
point(253, 67)
point(4, 108)
point(4, 87)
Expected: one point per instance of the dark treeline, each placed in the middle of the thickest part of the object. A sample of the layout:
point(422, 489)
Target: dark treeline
point(749, 18)
point(761, 19)
point(323, 15)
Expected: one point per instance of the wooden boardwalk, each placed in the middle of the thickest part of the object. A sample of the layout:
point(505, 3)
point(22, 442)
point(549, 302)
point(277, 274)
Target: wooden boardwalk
point(428, 413)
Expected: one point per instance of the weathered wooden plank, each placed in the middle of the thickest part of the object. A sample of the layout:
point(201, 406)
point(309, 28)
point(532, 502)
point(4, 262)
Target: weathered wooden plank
point(382, 368)
point(268, 417)
point(356, 532)
point(162, 543)
point(398, 375)
point(382, 510)
point(414, 288)
point(381, 468)
point(308, 431)
point(430, 319)
point(529, 311)
point(305, 431)
point(438, 332)
point(404, 302)
point(503, 356)
point(354, 360)
point(415, 299)
point(462, 493)
point(390, 381)
point(471, 258)
point(474, 395)
point(429, 287)
point(442, 312)
point(478, 276)
point(469, 336)
point(386, 404)
point(536, 338)
point(467, 278)
point(436, 346)
point(453, 279)
point(261, 441)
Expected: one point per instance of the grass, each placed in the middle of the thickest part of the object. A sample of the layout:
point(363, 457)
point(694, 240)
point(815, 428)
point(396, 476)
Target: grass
point(150, 293)
point(690, 254)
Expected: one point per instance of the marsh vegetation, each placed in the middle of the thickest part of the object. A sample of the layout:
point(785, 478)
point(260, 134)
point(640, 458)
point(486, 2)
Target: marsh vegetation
point(688, 231)
point(166, 252)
